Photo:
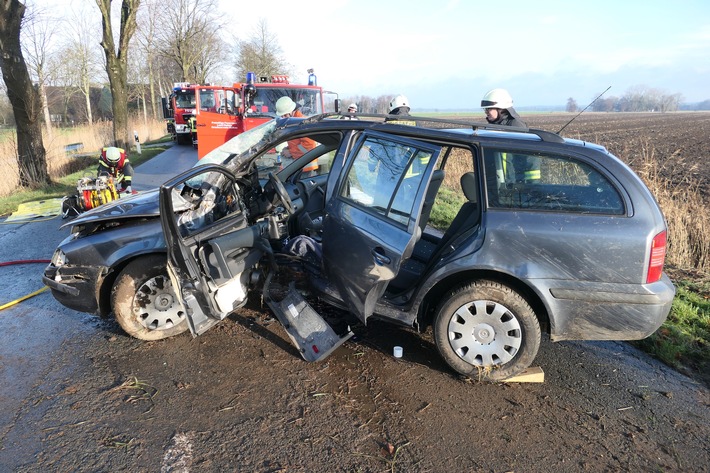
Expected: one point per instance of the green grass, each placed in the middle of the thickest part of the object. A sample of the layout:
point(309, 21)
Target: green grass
point(683, 341)
point(66, 185)
point(446, 206)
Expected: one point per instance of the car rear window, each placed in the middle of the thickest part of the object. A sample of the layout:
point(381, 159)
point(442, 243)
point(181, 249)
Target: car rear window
point(516, 180)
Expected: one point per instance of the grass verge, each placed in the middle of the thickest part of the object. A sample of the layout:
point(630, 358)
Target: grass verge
point(683, 341)
point(66, 185)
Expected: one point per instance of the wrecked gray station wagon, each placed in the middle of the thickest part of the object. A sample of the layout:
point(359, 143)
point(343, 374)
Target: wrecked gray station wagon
point(490, 235)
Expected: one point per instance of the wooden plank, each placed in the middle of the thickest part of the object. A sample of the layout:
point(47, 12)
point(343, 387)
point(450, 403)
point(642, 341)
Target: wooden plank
point(530, 375)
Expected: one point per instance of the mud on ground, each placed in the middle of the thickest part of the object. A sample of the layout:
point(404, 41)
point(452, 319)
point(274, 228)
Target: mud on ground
point(240, 398)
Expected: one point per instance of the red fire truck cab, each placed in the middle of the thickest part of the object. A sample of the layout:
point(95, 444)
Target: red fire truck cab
point(225, 112)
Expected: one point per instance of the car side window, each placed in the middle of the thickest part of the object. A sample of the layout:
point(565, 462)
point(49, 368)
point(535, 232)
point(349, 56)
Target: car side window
point(385, 177)
point(517, 180)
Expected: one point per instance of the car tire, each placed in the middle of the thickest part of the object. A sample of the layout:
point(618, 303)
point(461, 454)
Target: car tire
point(486, 330)
point(144, 302)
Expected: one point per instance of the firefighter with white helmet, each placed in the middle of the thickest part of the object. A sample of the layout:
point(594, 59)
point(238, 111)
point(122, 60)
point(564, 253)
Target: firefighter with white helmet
point(399, 105)
point(285, 108)
point(352, 108)
point(498, 106)
point(114, 162)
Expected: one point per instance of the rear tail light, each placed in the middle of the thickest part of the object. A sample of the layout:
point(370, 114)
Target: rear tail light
point(658, 257)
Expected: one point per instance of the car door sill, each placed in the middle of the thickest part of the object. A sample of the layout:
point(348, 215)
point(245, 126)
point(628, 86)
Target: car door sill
point(312, 335)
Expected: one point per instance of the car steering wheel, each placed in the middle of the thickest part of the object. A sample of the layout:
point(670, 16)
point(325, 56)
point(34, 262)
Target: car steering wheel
point(281, 193)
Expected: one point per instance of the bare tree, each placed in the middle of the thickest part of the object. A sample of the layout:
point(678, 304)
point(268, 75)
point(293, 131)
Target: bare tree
point(117, 63)
point(147, 40)
point(189, 35)
point(38, 35)
point(26, 103)
point(81, 59)
point(571, 105)
point(261, 53)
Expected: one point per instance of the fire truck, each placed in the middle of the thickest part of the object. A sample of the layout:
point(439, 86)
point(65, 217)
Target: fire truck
point(177, 109)
point(225, 112)
point(181, 105)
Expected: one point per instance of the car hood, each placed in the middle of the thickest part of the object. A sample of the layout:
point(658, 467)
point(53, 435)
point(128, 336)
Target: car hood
point(140, 205)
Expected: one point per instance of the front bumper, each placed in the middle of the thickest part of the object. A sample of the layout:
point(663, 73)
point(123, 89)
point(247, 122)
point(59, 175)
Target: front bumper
point(76, 287)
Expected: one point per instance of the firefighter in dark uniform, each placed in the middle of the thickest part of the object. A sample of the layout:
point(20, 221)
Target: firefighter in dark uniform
point(498, 106)
point(114, 162)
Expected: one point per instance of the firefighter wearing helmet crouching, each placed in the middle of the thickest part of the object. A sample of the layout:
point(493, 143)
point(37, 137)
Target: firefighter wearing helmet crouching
point(286, 108)
point(114, 162)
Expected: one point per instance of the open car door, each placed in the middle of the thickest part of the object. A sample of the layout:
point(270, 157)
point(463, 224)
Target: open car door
point(371, 222)
point(211, 248)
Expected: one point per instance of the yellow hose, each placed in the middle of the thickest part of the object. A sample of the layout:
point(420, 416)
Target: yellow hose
point(17, 301)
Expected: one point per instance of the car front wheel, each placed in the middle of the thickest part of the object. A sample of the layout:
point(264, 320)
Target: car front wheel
point(486, 330)
point(144, 301)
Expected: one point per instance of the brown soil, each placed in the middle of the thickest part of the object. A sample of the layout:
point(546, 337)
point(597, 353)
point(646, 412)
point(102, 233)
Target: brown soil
point(240, 398)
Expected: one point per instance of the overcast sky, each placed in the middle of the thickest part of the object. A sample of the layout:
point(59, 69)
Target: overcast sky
point(447, 54)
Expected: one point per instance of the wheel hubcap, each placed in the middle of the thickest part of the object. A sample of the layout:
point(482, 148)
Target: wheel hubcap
point(485, 333)
point(155, 305)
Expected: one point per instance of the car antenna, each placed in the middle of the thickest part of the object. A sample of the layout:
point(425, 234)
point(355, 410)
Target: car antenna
point(590, 104)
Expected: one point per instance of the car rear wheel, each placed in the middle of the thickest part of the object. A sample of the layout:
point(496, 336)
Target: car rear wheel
point(486, 330)
point(144, 301)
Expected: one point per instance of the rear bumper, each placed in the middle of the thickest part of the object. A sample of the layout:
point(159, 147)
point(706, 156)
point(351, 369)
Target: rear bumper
point(608, 312)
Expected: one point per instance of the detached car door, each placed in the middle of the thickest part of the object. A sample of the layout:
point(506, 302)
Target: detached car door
point(211, 248)
point(371, 220)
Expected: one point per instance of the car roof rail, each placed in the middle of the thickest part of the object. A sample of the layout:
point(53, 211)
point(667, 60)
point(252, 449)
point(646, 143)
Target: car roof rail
point(542, 134)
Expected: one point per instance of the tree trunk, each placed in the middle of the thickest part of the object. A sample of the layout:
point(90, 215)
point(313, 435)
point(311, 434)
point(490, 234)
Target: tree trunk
point(86, 90)
point(151, 82)
point(25, 100)
point(117, 65)
point(45, 108)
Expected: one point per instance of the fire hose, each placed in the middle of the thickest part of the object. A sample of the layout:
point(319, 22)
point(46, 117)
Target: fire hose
point(26, 261)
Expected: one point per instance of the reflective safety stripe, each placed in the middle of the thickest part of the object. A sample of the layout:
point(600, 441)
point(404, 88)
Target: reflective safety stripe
point(403, 122)
point(532, 175)
point(420, 164)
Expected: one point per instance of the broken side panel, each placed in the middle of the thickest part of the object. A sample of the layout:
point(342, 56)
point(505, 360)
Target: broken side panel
point(312, 335)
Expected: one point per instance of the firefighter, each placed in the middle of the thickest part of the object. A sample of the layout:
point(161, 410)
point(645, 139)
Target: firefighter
point(285, 108)
point(114, 162)
point(399, 105)
point(352, 108)
point(498, 107)
point(192, 123)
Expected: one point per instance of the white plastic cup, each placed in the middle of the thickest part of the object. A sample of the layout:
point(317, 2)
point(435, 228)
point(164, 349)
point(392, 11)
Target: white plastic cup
point(398, 352)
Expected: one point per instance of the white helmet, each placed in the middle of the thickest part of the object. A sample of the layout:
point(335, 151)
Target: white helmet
point(497, 98)
point(285, 105)
point(352, 107)
point(399, 101)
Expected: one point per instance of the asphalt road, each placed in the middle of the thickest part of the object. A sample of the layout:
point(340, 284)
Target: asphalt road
point(36, 328)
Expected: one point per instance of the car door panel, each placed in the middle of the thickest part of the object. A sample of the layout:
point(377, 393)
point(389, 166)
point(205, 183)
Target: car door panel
point(371, 221)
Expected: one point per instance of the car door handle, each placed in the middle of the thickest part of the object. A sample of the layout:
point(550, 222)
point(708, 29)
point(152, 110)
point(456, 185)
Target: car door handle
point(380, 257)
